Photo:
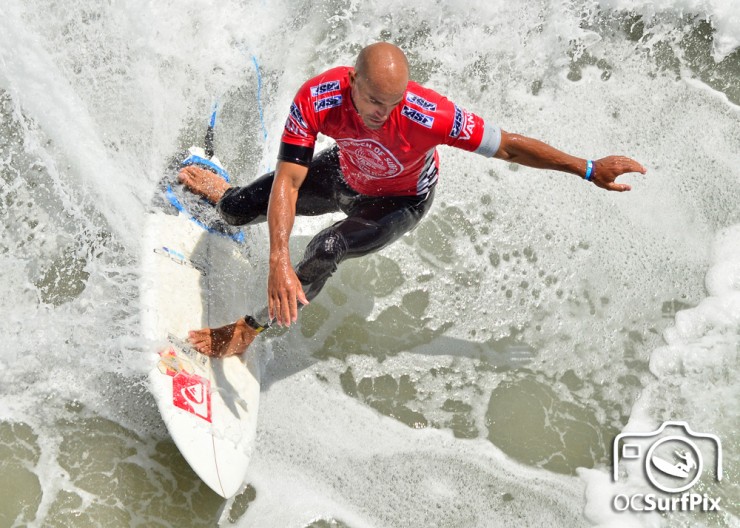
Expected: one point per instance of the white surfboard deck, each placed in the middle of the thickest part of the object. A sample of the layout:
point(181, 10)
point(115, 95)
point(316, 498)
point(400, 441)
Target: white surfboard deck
point(193, 278)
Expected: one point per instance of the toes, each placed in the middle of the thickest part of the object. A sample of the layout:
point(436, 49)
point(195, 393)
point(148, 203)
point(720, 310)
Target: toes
point(200, 339)
point(205, 349)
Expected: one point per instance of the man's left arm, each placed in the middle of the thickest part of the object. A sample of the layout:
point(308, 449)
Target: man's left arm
point(534, 153)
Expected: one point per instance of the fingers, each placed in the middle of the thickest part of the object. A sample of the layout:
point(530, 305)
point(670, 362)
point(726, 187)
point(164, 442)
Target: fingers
point(630, 165)
point(302, 296)
point(613, 186)
point(284, 292)
point(280, 309)
point(606, 171)
point(287, 307)
point(274, 304)
point(619, 187)
point(613, 166)
point(298, 297)
point(283, 307)
point(270, 308)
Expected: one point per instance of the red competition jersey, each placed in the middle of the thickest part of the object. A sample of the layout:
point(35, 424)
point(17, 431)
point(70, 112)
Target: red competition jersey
point(400, 158)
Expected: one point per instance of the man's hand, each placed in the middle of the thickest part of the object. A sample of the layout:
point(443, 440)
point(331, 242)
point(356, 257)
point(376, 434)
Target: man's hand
point(229, 340)
point(284, 290)
point(607, 169)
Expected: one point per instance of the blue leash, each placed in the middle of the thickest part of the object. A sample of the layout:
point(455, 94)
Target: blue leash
point(259, 97)
point(204, 162)
point(209, 151)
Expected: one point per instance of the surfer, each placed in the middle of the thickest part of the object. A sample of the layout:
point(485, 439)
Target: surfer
point(381, 173)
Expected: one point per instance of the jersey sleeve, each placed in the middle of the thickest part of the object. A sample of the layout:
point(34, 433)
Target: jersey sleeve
point(301, 129)
point(468, 131)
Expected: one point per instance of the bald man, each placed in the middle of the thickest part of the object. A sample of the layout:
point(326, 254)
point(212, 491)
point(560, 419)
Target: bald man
point(381, 173)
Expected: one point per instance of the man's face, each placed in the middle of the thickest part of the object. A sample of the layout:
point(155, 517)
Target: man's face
point(374, 101)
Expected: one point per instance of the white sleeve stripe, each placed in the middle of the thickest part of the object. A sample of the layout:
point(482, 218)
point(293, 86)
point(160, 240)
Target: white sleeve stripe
point(491, 141)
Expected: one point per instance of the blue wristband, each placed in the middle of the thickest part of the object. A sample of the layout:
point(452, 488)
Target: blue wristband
point(589, 170)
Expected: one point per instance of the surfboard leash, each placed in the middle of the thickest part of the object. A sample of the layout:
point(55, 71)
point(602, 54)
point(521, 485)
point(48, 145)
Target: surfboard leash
point(257, 327)
point(208, 142)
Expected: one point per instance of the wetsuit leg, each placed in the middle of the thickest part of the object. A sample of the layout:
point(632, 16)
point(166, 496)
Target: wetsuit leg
point(248, 205)
point(372, 224)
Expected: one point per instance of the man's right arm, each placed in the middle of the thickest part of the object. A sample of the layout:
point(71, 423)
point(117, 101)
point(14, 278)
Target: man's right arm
point(284, 290)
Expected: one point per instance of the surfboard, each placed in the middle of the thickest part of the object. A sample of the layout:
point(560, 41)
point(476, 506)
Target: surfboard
point(194, 274)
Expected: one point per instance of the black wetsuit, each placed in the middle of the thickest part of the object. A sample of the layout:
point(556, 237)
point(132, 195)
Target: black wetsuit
point(372, 222)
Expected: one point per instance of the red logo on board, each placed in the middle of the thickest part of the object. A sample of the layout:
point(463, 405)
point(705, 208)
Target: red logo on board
point(192, 393)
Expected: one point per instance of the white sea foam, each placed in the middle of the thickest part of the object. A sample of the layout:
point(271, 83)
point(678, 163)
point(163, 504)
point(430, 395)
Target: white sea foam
point(106, 93)
point(332, 458)
point(723, 15)
point(691, 383)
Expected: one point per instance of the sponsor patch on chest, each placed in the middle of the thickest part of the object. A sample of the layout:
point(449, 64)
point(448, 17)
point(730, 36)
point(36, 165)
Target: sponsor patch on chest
point(417, 117)
point(421, 102)
point(321, 89)
point(327, 102)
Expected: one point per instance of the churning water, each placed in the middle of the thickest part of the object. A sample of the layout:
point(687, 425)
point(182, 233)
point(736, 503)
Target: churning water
point(473, 374)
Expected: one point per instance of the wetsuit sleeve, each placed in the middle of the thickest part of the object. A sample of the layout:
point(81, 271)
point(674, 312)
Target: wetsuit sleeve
point(301, 128)
point(468, 131)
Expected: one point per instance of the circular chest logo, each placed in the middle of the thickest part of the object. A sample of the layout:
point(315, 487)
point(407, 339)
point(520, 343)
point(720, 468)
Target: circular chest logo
point(369, 158)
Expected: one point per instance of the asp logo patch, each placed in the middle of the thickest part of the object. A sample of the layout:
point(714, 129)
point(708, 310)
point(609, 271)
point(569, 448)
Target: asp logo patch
point(463, 125)
point(327, 102)
point(321, 89)
point(417, 117)
point(421, 102)
point(457, 124)
point(292, 126)
point(295, 113)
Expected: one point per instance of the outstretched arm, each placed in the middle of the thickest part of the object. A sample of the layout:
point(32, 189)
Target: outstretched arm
point(535, 153)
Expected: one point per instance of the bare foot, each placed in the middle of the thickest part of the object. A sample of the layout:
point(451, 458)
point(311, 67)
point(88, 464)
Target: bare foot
point(203, 182)
point(229, 340)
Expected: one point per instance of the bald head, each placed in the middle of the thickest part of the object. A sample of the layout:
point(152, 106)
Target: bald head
point(384, 66)
point(378, 82)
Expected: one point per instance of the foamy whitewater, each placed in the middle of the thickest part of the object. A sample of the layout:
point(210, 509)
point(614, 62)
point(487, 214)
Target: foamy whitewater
point(476, 372)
